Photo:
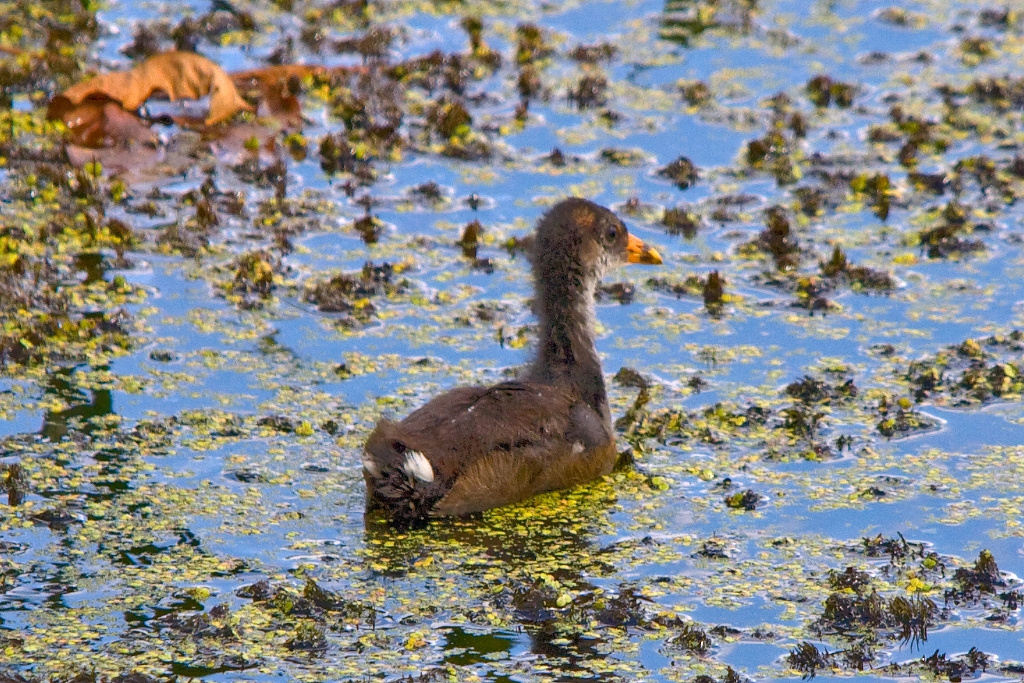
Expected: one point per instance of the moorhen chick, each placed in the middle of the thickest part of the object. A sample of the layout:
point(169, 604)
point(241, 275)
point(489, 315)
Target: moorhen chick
point(475, 448)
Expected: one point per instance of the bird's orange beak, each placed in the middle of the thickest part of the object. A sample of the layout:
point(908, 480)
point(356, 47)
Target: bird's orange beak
point(638, 252)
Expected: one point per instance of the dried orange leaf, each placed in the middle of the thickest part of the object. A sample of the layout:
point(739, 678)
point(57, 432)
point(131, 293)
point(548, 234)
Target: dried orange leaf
point(177, 74)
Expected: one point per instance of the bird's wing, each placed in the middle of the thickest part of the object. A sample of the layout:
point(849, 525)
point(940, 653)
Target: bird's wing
point(456, 428)
point(475, 448)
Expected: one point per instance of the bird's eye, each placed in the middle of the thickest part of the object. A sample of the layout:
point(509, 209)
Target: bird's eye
point(611, 233)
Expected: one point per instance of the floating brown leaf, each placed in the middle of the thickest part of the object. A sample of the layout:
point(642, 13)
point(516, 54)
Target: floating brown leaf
point(276, 88)
point(282, 72)
point(177, 74)
point(102, 123)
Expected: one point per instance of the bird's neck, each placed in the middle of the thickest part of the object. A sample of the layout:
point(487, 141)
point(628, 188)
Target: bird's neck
point(566, 352)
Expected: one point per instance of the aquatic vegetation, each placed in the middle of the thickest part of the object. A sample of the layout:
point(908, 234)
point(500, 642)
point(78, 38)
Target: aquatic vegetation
point(589, 92)
point(351, 293)
point(807, 659)
point(747, 500)
point(777, 240)
point(812, 390)
point(859, 278)
point(682, 172)
point(680, 221)
point(944, 239)
point(899, 418)
point(713, 292)
point(46, 318)
point(970, 377)
point(696, 93)
point(201, 320)
point(823, 91)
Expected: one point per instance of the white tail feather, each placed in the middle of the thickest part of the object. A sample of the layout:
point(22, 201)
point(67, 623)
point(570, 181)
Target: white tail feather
point(418, 467)
point(370, 465)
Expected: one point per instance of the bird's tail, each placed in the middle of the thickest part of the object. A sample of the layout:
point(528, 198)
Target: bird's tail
point(399, 480)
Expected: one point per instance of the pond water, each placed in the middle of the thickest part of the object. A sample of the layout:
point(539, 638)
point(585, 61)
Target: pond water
point(829, 465)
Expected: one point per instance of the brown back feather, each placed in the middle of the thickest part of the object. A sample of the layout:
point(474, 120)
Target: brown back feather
point(456, 428)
